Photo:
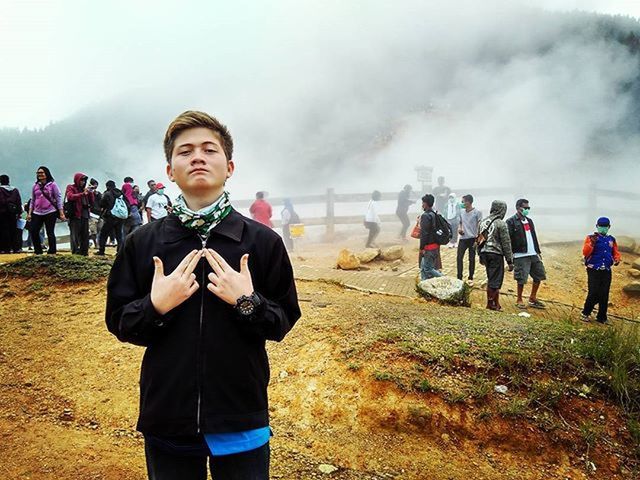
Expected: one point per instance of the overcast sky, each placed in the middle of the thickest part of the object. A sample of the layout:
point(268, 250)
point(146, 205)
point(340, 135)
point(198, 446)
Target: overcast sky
point(60, 56)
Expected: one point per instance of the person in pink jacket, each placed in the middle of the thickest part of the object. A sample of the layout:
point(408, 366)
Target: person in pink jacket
point(45, 208)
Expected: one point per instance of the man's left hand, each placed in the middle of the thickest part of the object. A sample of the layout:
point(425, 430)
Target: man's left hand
point(225, 282)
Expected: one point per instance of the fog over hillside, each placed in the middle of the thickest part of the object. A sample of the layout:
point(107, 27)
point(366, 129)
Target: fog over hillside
point(354, 95)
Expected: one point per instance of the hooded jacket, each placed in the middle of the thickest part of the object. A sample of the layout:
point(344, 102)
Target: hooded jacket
point(498, 240)
point(205, 369)
point(75, 193)
point(9, 194)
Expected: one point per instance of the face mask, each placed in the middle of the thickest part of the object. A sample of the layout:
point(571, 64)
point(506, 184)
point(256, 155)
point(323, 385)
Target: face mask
point(603, 230)
point(462, 205)
point(525, 212)
point(161, 191)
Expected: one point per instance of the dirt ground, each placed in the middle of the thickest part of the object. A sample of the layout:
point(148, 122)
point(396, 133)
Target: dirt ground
point(68, 397)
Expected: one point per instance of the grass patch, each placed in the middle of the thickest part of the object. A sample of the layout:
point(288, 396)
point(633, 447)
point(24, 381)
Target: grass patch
point(62, 268)
point(515, 407)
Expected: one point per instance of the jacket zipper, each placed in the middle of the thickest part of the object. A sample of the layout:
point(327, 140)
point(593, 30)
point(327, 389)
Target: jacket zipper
point(198, 372)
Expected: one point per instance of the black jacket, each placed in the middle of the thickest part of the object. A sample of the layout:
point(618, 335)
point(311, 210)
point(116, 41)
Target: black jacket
point(427, 226)
point(205, 369)
point(108, 200)
point(519, 237)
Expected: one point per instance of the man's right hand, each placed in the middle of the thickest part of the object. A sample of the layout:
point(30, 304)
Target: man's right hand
point(510, 267)
point(167, 292)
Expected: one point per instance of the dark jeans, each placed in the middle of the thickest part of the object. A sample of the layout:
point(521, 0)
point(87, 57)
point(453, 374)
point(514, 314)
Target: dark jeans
point(494, 264)
point(599, 282)
point(463, 245)
point(79, 230)
point(404, 219)
point(7, 232)
point(374, 230)
point(251, 465)
point(49, 221)
point(112, 226)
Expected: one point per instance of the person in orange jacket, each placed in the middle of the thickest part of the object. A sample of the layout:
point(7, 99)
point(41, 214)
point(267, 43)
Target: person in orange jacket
point(600, 251)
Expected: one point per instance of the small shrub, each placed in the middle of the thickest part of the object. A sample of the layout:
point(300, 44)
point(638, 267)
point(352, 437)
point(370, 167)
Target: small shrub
point(481, 387)
point(425, 386)
point(382, 376)
point(546, 394)
point(516, 407)
point(590, 433)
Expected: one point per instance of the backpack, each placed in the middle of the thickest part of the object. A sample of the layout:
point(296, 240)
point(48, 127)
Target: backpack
point(6, 203)
point(120, 209)
point(441, 230)
point(482, 237)
point(69, 208)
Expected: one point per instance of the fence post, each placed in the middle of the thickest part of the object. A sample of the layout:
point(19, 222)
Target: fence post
point(330, 214)
point(592, 204)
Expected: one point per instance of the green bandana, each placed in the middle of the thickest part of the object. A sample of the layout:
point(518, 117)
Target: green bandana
point(203, 220)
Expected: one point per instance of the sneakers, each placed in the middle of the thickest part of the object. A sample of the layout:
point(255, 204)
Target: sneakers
point(470, 282)
point(537, 304)
point(585, 318)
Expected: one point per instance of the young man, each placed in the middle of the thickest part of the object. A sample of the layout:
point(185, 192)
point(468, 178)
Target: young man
point(158, 205)
point(82, 198)
point(600, 251)
point(526, 254)
point(470, 218)
point(10, 210)
point(428, 246)
point(203, 289)
point(261, 210)
point(402, 209)
point(152, 189)
point(494, 252)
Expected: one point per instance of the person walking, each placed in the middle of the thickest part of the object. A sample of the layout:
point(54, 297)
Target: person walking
point(495, 248)
point(289, 217)
point(203, 289)
point(402, 210)
point(600, 251)
point(429, 248)
point(45, 208)
point(453, 217)
point(81, 197)
point(372, 219)
point(10, 210)
point(470, 218)
point(526, 254)
point(261, 210)
point(115, 211)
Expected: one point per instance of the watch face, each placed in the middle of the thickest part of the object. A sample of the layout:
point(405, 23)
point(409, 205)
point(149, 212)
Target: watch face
point(246, 307)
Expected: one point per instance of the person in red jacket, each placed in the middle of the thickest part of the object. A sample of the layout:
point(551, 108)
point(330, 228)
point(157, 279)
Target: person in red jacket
point(81, 197)
point(260, 210)
point(600, 252)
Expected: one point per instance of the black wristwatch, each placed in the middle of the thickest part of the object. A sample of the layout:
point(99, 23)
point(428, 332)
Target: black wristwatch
point(247, 305)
